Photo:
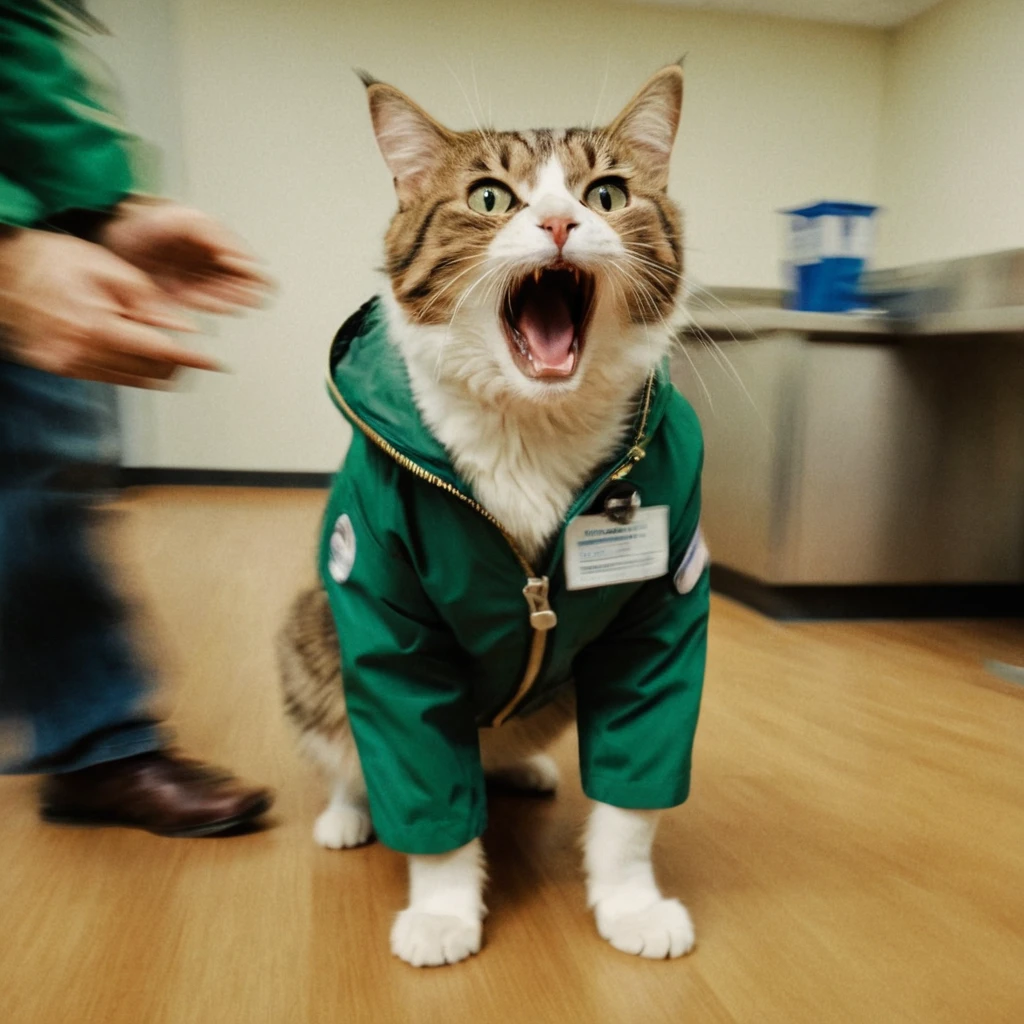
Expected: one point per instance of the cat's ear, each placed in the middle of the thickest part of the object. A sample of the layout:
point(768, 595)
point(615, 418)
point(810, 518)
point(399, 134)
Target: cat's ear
point(650, 119)
point(412, 143)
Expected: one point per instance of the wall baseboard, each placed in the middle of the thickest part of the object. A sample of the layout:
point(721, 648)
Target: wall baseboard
point(142, 476)
point(925, 601)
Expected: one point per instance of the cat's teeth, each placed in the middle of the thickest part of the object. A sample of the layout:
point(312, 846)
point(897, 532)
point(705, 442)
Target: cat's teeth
point(536, 275)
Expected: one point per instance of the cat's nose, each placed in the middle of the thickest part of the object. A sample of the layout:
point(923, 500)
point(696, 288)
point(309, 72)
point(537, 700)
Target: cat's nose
point(559, 228)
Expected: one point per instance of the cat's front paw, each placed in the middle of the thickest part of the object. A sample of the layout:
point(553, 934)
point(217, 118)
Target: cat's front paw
point(661, 930)
point(431, 940)
point(342, 826)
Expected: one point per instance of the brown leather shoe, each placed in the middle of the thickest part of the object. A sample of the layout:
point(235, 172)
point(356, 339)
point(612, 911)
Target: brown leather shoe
point(159, 791)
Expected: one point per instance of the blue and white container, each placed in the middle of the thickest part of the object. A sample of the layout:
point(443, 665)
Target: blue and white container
point(828, 244)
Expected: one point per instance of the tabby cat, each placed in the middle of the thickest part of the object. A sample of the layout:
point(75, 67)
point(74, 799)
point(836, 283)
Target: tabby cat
point(509, 379)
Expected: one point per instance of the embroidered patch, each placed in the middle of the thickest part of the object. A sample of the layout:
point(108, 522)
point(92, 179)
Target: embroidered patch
point(343, 550)
point(693, 564)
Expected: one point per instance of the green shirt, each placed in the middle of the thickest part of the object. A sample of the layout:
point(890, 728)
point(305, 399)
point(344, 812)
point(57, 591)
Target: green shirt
point(59, 149)
point(437, 637)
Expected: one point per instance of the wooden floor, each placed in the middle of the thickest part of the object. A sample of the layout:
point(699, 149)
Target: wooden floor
point(853, 850)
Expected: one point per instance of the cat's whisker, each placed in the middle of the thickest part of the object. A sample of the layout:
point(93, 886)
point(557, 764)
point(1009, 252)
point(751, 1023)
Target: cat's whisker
point(661, 268)
point(478, 259)
point(640, 289)
point(488, 131)
point(667, 293)
point(436, 297)
point(465, 96)
point(693, 288)
point(653, 267)
point(717, 354)
point(458, 306)
point(465, 296)
point(642, 292)
point(629, 232)
point(707, 342)
point(697, 293)
point(726, 364)
point(478, 262)
point(604, 85)
point(692, 297)
point(703, 337)
point(620, 294)
point(700, 379)
point(647, 332)
point(642, 245)
point(476, 86)
point(487, 136)
point(696, 286)
point(720, 356)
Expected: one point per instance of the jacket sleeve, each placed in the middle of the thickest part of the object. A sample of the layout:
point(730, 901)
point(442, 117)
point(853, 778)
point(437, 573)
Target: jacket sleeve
point(407, 686)
point(639, 686)
point(59, 148)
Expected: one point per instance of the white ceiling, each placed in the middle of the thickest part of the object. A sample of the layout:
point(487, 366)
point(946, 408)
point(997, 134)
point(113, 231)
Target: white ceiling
point(878, 13)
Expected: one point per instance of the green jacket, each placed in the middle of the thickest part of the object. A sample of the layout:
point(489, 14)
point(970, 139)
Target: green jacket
point(439, 637)
point(60, 151)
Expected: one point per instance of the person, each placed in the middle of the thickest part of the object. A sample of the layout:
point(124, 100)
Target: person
point(92, 277)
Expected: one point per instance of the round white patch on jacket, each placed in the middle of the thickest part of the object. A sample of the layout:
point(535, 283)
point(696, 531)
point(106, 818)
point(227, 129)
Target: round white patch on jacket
point(343, 550)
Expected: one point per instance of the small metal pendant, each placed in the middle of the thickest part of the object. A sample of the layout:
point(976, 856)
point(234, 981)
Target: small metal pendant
point(621, 502)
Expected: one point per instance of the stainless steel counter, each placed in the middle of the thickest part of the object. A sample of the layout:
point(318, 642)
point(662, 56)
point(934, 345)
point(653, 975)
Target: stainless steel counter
point(761, 321)
point(856, 451)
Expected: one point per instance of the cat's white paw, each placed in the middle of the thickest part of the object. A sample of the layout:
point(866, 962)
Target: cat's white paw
point(430, 940)
point(535, 774)
point(342, 826)
point(661, 930)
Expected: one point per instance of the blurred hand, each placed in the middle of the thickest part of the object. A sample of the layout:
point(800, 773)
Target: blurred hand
point(71, 308)
point(195, 260)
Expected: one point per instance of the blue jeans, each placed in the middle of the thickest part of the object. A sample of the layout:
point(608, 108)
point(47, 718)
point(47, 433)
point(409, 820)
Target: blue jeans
point(71, 691)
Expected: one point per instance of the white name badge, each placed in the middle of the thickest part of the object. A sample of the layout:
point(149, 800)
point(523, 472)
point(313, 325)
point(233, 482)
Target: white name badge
point(600, 552)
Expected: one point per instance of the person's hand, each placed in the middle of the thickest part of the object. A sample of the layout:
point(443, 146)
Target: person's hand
point(195, 260)
point(71, 308)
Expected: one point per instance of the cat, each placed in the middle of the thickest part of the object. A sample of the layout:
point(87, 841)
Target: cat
point(507, 380)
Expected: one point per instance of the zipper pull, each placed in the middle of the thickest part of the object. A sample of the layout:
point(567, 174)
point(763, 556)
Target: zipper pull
point(635, 454)
point(542, 618)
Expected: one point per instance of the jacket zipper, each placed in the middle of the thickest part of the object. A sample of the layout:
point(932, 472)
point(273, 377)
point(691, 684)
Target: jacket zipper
point(542, 616)
point(637, 451)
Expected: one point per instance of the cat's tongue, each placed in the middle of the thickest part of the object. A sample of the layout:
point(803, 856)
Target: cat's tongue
point(546, 325)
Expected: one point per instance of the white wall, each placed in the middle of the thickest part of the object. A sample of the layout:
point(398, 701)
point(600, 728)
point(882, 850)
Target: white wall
point(952, 172)
point(277, 140)
point(141, 59)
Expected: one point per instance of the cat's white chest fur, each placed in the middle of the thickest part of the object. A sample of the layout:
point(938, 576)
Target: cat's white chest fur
point(523, 473)
point(525, 461)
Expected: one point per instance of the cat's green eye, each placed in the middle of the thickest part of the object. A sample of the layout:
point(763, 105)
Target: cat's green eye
point(607, 196)
point(490, 198)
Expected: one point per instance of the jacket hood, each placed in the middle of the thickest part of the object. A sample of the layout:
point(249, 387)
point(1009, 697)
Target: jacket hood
point(369, 383)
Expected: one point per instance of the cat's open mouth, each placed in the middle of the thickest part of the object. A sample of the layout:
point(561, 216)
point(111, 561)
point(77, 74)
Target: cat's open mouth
point(545, 317)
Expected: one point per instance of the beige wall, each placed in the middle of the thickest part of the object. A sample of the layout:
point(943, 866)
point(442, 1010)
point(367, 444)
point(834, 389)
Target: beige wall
point(276, 139)
point(952, 169)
